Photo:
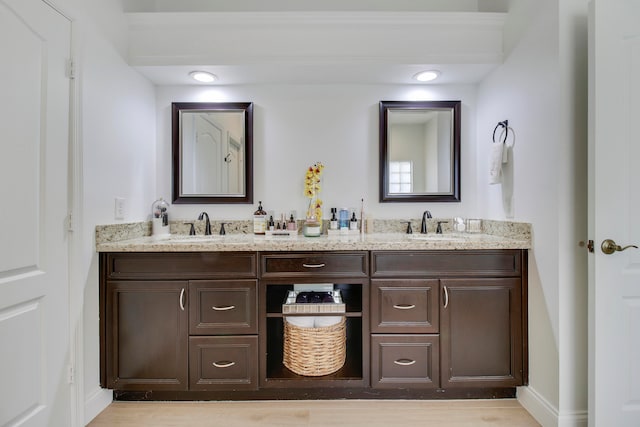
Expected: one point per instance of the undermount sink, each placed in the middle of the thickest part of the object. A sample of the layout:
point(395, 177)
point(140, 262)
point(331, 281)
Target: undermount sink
point(432, 237)
point(194, 239)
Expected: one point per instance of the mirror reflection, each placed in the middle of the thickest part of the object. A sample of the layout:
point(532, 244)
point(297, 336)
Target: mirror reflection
point(212, 152)
point(419, 151)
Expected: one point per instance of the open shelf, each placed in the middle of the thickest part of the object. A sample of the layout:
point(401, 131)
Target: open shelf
point(354, 373)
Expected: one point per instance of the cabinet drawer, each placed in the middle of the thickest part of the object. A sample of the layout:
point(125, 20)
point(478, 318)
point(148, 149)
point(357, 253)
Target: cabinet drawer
point(481, 263)
point(186, 265)
point(407, 361)
point(223, 363)
point(223, 307)
point(316, 264)
point(404, 306)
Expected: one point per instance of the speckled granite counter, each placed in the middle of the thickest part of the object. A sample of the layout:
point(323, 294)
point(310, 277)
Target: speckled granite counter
point(495, 235)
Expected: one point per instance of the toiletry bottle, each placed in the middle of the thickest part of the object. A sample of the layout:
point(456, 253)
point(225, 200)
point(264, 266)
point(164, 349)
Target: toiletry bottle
point(259, 220)
point(353, 224)
point(333, 223)
point(291, 225)
point(343, 222)
point(272, 224)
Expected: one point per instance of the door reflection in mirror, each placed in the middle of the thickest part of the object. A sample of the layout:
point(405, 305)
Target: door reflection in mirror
point(212, 153)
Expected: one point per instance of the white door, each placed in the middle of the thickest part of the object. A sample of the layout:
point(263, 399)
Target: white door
point(34, 140)
point(614, 213)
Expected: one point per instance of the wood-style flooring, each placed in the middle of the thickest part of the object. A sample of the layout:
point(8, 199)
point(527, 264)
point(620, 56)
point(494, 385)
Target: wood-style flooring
point(317, 413)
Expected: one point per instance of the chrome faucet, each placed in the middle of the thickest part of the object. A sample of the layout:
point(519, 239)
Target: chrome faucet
point(207, 224)
point(423, 226)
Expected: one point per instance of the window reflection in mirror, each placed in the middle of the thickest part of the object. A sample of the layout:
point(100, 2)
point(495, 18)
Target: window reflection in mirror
point(419, 151)
point(212, 145)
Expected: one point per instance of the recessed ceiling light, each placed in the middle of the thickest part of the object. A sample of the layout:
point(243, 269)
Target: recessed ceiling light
point(427, 76)
point(203, 76)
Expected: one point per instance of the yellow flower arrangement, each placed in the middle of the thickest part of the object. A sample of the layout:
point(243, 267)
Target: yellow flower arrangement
point(311, 190)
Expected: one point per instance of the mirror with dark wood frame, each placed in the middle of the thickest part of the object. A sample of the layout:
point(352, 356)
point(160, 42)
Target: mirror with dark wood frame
point(212, 152)
point(419, 151)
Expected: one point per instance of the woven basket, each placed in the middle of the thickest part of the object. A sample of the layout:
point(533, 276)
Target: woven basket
point(314, 351)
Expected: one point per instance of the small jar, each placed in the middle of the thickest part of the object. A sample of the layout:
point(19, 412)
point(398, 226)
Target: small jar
point(312, 228)
point(160, 218)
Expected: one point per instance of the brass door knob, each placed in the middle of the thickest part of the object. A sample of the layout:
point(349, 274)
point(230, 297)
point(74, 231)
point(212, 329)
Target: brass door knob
point(609, 246)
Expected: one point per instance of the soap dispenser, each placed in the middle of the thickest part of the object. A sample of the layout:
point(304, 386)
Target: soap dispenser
point(160, 218)
point(259, 220)
point(333, 223)
point(353, 223)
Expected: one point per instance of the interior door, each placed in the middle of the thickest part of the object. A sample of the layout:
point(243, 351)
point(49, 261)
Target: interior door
point(614, 213)
point(34, 135)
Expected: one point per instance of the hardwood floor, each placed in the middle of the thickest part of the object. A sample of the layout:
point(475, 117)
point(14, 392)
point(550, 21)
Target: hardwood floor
point(317, 413)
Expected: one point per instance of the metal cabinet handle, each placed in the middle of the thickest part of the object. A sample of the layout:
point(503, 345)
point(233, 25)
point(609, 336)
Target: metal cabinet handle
point(609, 246)
point(446, 297)
point(314, 265)
point(225, 308)
point(224, 364)
point(404, 306)
point(182, 299)
point(404, 362)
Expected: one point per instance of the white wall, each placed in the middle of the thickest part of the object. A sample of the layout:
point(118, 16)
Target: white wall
point(297, 125)
point(116, 147)
point(538, 89)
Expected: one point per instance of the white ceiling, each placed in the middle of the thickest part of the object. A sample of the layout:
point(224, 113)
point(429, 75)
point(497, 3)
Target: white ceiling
point(248, 45)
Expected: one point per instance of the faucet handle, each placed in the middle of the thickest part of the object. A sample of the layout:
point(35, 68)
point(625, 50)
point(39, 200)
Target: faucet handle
point(192, 230)
point(222, 230)
point(409, 229)
point(439, 227)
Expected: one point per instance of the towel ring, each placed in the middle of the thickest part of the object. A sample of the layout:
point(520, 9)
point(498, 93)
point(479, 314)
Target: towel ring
point(513, 137)
point(505, 127)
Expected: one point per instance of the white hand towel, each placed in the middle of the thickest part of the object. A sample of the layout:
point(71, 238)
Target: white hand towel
point(495, 163)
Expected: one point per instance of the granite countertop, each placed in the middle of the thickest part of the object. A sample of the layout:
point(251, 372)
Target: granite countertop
point(374, 241)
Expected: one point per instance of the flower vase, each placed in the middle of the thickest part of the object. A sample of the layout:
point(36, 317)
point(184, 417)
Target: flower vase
point(312, 227)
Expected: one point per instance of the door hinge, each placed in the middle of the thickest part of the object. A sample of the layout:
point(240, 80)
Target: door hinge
point(71, 69)
point(70, 377)
point(70, 221)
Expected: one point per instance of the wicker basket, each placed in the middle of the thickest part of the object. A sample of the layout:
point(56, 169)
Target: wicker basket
point(314, 351)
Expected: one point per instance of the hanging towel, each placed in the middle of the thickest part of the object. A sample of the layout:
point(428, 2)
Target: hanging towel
point(495, 163)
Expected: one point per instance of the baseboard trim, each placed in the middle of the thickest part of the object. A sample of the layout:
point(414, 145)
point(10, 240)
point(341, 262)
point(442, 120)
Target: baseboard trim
point(96, 402)
point(547, 414)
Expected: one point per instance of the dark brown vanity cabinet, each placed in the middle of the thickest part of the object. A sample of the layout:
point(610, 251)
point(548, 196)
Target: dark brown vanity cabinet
point(209, 325)
point(179, 321)
point(448, 319)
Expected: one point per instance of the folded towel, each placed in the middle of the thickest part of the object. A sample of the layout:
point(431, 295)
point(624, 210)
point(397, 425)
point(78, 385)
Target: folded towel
point(495, 163)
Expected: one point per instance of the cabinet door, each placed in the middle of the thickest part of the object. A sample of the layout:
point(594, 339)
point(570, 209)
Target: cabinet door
point(147, 335)
point(481, 333)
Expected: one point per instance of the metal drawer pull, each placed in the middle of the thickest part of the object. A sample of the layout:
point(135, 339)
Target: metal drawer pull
point(404, 306)
point(182, 299)
point(446, 297)
point(314, 265)
point(404, 362)
point(228, 307)
point(224, 364)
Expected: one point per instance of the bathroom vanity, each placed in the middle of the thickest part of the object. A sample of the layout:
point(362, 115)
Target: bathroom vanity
point(197, 319)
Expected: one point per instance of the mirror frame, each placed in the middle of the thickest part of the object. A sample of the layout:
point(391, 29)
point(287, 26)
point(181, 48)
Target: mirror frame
point(176, 109)
point(385, 196)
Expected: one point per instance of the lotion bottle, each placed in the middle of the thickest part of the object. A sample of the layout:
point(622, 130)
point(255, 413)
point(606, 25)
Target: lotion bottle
point(259, 220)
